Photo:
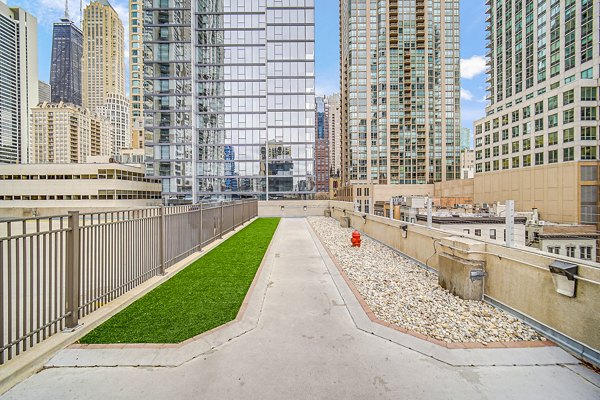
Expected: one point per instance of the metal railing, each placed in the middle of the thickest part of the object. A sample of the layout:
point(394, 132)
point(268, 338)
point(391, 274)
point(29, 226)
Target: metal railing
point(55, 270)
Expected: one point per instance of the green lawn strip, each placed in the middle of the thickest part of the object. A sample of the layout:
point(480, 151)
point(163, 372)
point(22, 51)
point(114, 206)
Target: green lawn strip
point(206, 294)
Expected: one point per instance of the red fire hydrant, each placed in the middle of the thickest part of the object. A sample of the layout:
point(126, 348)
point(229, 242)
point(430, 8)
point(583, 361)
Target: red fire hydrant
point(355, 239)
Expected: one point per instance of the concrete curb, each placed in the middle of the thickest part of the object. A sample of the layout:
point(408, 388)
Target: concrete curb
point(543, 353)
point(37, 358)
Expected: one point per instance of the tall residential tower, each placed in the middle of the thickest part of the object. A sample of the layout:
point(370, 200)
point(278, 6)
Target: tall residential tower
point(136, 72)
point(538, 143)
point(104, 70)
point(229, 98)
point(18, 82)
point(400, 79)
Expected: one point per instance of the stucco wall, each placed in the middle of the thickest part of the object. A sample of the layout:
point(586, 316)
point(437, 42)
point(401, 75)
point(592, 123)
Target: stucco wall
point(552, 189)
point(292, 208)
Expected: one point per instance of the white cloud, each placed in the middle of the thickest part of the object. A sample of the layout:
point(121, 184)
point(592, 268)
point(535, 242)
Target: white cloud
point(471, 67)
point(465, 94)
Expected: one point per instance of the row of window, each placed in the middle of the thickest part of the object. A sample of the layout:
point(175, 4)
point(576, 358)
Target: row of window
point(585, 252)
point(587, 153)
point(102, 174)
point(568, 97)
point(585, 133)
point(108, 195)
point(492, 233)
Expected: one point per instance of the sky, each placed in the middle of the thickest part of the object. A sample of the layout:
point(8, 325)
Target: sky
point(472, 14)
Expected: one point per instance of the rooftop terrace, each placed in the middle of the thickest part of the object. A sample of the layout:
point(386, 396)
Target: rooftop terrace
point(310, 329)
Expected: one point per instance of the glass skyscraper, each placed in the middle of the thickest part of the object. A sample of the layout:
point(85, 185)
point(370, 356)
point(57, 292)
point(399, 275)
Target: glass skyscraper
point(225, 80)
point(400, 91)
point(65, 70)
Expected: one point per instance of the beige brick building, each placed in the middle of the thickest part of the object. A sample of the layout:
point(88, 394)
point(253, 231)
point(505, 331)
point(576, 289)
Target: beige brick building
point(66, 133)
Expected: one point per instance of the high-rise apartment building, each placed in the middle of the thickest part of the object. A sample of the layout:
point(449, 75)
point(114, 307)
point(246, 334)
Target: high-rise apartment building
point(104, 70)
point(465, 138)
point(103, 54)
point(67, 133)
point(116, 110)
point(44, 92)
point(65, 69)
point(229, 97)
point(334, 119)
point(322, 144)
point(18, 81)
point(136, 71)
point(400, 75)
point(543, 113)
point(543, 85)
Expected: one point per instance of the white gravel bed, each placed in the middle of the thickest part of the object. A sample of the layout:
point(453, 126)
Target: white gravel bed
point(400, 292)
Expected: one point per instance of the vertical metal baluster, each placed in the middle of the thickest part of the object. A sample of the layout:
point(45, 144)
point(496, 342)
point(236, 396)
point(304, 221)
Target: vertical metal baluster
point(2, 313)
point(10, 284)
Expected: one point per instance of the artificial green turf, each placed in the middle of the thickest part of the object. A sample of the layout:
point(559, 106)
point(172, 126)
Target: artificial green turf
point(206, 294)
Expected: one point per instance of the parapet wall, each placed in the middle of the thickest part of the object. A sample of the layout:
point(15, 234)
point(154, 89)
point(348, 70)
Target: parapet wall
point(516, 278)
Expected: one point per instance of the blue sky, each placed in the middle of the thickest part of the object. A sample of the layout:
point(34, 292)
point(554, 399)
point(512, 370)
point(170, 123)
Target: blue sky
point(327, 46)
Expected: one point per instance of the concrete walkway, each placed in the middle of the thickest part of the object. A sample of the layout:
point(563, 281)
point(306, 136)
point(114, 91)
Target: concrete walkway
point(309, 341)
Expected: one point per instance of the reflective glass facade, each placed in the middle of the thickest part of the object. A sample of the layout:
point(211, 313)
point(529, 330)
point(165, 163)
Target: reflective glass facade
point(225, 80)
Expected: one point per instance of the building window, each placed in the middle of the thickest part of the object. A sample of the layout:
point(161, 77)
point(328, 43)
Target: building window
point(539, 141)
point(568, 154)
point(568, 97)
point(568, 116)
point(568, 135)
point(539, 158)
point(585, 252)
point(588, 153)
point(477, 232)
point(467, 231)
point(588, 133)
point(588, 94)
point(552, 156)
point(527, 160)
point(539, 107)
point(552, 138)
point(539, 124)
point(588, 113)
point(554, 249)
point(570, 251)
point(492, 234)
point(588, 73)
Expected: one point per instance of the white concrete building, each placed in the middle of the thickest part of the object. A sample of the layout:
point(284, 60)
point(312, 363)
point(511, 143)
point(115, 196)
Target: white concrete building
point(467, 164)
point(44, 92)
point(116, 110)
point(44, 189)
point(19, 83)
point(571, 240)
point(477, 226)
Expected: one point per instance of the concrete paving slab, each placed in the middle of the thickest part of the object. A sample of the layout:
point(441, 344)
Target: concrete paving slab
point(307, 345)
